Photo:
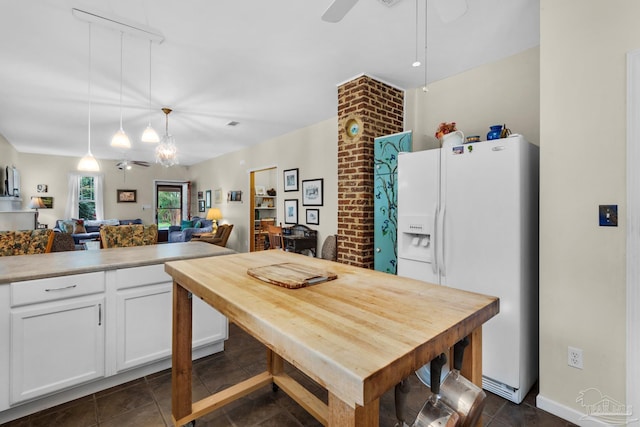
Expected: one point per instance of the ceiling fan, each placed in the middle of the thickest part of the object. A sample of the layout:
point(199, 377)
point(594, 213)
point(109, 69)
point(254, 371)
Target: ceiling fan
point(448, 10)
point(128, 164)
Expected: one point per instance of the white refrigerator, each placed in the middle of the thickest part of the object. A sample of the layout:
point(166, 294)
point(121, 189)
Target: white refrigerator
point(468, 218)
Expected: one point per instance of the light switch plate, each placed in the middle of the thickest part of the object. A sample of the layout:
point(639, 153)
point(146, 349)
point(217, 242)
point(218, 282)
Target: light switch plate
point(608, 215)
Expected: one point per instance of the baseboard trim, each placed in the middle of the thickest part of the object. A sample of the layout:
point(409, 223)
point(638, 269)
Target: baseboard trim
point(566, 413)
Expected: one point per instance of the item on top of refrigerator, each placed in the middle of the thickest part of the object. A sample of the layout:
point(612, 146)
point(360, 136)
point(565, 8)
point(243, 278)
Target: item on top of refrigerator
point(473, 138)
point(495, 132)
point(445, 128)
point(505, 131)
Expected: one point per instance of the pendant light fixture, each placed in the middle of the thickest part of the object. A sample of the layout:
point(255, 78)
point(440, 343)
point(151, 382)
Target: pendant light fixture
point(89, 163)
point(149, 134)
point(416, 63)
point(120, 139)
point(166, 151)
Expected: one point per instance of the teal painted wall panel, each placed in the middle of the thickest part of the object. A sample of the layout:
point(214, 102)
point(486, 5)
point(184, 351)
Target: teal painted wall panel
point(385, 199)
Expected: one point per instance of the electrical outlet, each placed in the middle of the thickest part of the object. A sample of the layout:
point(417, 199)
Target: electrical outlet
point(575, 357)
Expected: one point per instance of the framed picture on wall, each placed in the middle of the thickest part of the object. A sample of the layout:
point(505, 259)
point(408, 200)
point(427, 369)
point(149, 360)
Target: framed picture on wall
point(48, 202)
point(207, 199)
point(127, 196)
point(217, 195)
point(291, 211)
point(200, 205)
point(313, 216)
point(291, 180)
point(200, 194)
point(312, 192)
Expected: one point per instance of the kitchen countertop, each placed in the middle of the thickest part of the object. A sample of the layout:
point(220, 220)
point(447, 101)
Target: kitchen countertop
point(39, 266)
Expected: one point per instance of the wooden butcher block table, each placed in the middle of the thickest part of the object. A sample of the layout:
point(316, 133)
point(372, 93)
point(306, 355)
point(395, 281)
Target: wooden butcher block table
point(357, 336)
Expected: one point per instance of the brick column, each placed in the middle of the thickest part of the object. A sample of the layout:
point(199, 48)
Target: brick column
point(377, 109)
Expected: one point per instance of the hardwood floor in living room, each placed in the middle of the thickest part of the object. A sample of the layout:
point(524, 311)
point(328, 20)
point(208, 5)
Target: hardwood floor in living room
point(146, 402)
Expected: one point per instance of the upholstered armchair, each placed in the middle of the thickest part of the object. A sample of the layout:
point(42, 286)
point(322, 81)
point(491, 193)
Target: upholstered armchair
point(184, 232)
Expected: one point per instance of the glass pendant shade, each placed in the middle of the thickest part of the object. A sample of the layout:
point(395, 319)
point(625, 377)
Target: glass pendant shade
point(120, 140)
point(88, 163)
point(166, 151)
point(150, 135)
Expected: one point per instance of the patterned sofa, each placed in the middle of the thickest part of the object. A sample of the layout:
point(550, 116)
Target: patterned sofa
point(26, 242)
point(88, 229)
point(121, 236)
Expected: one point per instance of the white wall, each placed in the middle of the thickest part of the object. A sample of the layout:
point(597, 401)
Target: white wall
point(313, 150)
point(52, 170)
point(503, 92)
point(583, 145)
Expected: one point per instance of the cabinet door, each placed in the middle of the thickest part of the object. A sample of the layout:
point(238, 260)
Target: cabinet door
point(56, 345)
point(143, 322)
point(144, 305)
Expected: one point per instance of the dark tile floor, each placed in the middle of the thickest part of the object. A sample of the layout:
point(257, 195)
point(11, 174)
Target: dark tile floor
point(146, 402)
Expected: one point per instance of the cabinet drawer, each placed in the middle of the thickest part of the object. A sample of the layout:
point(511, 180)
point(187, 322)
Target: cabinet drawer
point(55, 288)
point(141, 276)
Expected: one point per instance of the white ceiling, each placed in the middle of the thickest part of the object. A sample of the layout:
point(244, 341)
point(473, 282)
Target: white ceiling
point(273, 66)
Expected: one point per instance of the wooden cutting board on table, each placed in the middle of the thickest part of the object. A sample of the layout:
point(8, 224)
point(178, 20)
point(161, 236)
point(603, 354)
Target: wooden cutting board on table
point(291, 275)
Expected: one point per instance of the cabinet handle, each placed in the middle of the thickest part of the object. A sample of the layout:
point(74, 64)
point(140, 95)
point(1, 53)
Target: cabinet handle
point(99, 314)
point(60, 289)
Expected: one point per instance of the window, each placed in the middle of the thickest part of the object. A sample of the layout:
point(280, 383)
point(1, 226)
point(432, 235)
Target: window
point(87, 198)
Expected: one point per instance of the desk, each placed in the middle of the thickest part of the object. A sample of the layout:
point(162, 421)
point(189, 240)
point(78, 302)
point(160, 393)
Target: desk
point(357, 336)
point(299, 243)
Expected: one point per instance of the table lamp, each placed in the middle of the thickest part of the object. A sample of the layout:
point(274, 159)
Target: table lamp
point(214, 214)
point(36, 203)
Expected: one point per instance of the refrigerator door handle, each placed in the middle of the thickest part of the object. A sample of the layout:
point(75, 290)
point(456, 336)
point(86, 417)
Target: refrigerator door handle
point(441, 248)
point(434, 243)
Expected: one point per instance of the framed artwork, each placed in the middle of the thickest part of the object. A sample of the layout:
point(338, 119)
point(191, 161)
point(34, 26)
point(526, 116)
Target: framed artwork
point(127, 196)
point(217, 195)
point(208, 199)
point(200, 205)
point(291, 211)
point(291, 180)
point(313, 216)
point(42, 188)
point(312, 192)
point(200, 195)
point(234, 196)
point(48, 202)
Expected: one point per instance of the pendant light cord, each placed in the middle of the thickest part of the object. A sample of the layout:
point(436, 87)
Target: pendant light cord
point(150, 43)
point(426, 16)
point(89, 93)
point(121, 37)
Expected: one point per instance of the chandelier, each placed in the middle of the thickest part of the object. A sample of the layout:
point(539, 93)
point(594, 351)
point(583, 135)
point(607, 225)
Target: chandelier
point(166, 151)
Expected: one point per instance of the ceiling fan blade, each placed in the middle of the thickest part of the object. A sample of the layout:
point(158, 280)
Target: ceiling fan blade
point(141, 163)
point(450, 10)
point(337, 10)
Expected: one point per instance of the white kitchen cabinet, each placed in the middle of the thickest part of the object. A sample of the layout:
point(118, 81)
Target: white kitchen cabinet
point(144, 317)
point(57, 334)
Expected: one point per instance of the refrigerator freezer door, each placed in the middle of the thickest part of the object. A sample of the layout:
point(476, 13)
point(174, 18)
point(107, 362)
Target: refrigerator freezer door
point(484, 229)
point(418, 193)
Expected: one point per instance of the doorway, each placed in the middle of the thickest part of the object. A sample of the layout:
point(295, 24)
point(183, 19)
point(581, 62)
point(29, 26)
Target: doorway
point(171, 204)
point(263, 207)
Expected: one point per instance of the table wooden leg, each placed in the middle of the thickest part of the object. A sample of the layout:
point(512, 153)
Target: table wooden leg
point(181, 357)
point(275, 363)
point(472, 362)
point(341, 414)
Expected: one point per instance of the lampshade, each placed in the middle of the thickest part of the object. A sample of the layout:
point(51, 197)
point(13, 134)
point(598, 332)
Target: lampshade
point(88, 163)
point(36, 203)
point(214, 213)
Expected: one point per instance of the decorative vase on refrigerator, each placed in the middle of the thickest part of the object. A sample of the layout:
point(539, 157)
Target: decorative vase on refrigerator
point(468, 218)
point(385, 199)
